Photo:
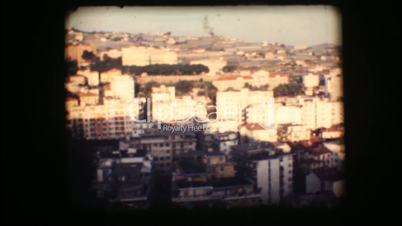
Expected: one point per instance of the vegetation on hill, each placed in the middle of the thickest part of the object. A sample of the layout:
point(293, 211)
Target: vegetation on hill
point(167, 69)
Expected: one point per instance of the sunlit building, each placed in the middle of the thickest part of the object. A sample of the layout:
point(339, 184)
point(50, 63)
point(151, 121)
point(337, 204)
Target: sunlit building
point(231, 105)
point(167, 107)
point(141, 56)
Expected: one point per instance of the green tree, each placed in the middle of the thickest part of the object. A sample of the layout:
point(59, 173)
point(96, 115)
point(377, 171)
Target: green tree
point(72, 67)
point(183, 87)
point(167, 69)
point(283, 133)
point(106, 64)
point(255, 88)
point(210, 90)
point(292, 89)
point(229, 68)
point(89, 56)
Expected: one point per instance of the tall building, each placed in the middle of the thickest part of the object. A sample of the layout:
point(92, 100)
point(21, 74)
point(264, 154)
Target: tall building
point(274, 177)
point(122, 86)
point(288, 113)
point(333, 85)
point(111, 120)
point(321, 113)
point(163, 146)
point(231, 105)
point(270, 169)
point(167, 107)
point(310, 81)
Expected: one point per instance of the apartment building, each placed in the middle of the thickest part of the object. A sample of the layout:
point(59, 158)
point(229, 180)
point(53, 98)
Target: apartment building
point(111, 120)
point(270, 168)
point(167, 107)
point(231, 105)
point(164, 146)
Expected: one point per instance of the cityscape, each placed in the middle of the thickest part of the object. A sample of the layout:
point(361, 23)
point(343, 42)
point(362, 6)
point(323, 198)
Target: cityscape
point(206, 120)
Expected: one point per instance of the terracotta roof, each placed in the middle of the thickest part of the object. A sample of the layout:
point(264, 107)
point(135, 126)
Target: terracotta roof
point(275, 74)
point(87, 94)
point(334, 128)
point(111, 70)
point(321, 149)
point(71, 99)
point(233, 77)
point(227, 77)
point(254, 126)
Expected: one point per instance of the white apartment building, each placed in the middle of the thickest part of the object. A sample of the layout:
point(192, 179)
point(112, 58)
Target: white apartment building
point(274, 177)
point(166, 107)
point(113, 119)
point(288, 114)
point(263, 114)
point(321, 113)
point(231, 105)
point(310, 81)
point(333, 85)
point(122, 86)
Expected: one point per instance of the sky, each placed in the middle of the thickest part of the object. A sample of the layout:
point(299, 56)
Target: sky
point(292, 25)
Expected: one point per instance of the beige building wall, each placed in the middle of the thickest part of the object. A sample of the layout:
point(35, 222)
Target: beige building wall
point(288, 114)
point(74, 52)
point(214, 65)
point(107, 76)
point(122, 86)
point(141, 56)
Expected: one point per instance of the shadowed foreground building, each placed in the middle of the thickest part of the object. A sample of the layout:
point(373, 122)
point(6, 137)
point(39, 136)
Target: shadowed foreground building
point(271, 169)
point(195, 185)
point(124, 176)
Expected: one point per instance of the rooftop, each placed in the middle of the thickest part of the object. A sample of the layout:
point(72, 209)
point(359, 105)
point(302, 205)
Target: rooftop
point(191, 166)
point(254, 126)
